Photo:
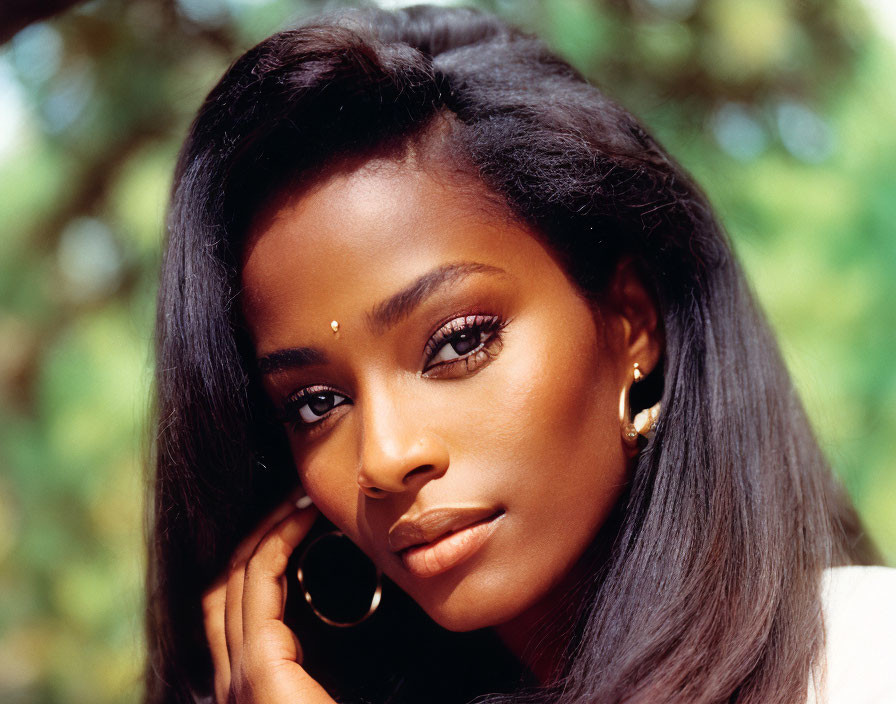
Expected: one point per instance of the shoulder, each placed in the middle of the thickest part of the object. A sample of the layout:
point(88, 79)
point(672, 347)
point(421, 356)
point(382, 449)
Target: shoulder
point(859, 612)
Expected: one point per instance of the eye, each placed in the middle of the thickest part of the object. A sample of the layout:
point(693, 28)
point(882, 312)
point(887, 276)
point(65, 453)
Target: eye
point(471, 340)
point(311, 405)
point(459, 344)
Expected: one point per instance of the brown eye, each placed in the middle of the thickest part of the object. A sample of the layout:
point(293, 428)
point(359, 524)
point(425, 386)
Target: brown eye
point(459, 344)
point(310, 407)
point(466, 341)
point(463, 341)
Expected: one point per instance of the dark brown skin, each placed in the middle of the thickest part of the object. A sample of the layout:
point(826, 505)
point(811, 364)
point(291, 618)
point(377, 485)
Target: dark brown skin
point(526, 424)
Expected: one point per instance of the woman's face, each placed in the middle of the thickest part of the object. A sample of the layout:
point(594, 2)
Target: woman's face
point(462, 424)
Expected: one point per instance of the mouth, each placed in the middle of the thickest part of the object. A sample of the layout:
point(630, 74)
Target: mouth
point(442, 538)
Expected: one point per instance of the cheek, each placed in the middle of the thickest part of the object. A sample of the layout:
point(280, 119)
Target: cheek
point(554, 403)
point(329, 484)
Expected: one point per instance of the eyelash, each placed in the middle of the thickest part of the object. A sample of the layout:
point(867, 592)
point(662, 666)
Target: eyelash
point(488, 327)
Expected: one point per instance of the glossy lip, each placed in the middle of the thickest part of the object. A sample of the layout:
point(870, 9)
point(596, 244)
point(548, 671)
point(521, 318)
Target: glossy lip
point(438, 539)
point(434, 523)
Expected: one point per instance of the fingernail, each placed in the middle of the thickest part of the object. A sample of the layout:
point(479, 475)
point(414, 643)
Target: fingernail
point(304, 502)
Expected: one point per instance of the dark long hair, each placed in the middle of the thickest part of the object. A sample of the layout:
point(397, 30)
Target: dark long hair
point(707, 590)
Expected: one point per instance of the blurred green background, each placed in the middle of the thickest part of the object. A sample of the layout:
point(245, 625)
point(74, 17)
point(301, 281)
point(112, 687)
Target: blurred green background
point(784, 111)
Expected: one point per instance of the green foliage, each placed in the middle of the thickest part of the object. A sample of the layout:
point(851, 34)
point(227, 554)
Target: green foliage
point(782, 109)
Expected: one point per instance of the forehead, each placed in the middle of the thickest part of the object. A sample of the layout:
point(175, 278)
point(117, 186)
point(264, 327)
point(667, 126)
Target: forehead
point(356, 237)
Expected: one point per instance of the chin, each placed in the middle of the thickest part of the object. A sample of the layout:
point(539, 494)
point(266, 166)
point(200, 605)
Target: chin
point(467, 608)
point(462, 621)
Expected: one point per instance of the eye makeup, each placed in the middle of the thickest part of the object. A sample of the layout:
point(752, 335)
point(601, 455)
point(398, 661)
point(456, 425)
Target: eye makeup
point(463, 345)
point(460, 347)
point(311, 405)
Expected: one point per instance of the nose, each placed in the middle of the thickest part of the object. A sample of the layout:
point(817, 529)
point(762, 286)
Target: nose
point(398, 453)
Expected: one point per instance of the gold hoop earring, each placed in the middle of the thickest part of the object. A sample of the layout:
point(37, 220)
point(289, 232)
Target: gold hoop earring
point(645, 422)
point(629, 432)
point(344, 574)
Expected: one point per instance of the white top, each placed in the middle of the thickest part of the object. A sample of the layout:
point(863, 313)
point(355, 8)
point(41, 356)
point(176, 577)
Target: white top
point(859, 666)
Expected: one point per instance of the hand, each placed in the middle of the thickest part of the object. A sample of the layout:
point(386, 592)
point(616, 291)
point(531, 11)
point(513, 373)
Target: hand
point(255, 655)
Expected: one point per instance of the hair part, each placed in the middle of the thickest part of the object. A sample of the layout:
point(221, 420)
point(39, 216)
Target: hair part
point(708, 588)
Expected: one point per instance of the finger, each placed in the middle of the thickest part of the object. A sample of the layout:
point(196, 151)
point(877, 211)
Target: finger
point(233, 619)
point(264, 588)
point(213, 620)
point(244, 550)
point(233, 613)
point(300, 654)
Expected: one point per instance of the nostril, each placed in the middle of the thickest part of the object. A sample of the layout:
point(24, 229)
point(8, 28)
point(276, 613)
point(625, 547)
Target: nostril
point(417, 471)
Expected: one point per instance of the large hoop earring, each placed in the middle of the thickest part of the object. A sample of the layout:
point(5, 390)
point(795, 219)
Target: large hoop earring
point(302, 575)
point(644, 423)
point(629, 432)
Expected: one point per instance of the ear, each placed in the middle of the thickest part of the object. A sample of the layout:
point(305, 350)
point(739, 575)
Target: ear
point(639, 336)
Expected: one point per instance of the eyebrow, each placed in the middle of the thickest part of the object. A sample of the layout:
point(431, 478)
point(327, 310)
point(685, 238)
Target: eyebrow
point(290, 359)
point(383, 315)
point(395, 308)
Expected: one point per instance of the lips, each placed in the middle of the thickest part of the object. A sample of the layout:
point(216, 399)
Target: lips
point(438, 539)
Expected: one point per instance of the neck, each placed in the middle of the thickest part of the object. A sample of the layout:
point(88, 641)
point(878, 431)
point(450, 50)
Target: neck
point(539, 636)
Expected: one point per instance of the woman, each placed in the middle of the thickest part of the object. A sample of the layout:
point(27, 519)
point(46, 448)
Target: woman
point(419, 270)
